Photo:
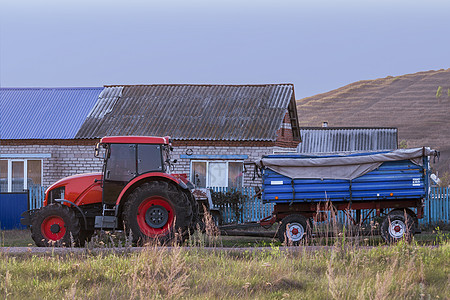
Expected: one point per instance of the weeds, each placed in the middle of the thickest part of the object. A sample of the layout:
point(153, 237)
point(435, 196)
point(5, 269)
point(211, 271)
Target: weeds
point(344, 270)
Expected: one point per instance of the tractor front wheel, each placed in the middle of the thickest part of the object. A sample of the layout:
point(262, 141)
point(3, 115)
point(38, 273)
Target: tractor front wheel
point(157, 210)
point(55, 225)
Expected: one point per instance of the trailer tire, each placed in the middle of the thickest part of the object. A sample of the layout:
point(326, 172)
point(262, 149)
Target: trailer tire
point(413, 215)
point(397, 225)
point(157, 210)
point(293, 229)
point(55, 225)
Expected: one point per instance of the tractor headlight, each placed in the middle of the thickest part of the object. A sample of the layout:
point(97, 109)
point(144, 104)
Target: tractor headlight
point(57, 193)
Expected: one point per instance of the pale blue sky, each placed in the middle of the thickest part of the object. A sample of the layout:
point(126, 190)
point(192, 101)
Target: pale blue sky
point(317, 45)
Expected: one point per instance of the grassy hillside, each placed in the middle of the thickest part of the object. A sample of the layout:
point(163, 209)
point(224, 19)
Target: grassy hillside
point(407, 102)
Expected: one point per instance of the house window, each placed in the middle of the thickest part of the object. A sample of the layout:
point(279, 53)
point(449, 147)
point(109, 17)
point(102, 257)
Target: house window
point(217, 173)
point(16, 175)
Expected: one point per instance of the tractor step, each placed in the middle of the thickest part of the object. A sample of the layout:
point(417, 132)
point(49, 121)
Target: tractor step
point(105, 222)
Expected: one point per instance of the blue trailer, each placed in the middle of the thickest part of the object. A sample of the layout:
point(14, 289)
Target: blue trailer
point(395, 184)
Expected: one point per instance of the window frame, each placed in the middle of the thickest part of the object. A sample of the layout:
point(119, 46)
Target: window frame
point(207, 161)
point(25, 172)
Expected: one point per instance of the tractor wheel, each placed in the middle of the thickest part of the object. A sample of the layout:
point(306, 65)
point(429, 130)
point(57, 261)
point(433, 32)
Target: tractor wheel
point(196, 218)
point(55, 225)
point(293, 229)
point(397, 225)
point(84, 237)
point(157, 210)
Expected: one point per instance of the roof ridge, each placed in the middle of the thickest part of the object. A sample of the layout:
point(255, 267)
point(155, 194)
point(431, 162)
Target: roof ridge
point(52, 88)
point(198, 84)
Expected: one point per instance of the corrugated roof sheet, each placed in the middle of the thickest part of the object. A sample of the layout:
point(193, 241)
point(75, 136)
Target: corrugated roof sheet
point(327, 140)
point(191, 112)
point(44, 113)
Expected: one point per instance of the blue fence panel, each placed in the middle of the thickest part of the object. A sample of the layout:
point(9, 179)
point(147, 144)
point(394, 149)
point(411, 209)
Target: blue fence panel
point(437, 208)
point(12, 205)
point(37, 196)
point(252, 210)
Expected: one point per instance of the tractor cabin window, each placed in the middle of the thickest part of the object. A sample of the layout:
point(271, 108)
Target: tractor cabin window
point(217, 173)
point(17, 175)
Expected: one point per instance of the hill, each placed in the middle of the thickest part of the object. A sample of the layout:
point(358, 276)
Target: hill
point(407, 102)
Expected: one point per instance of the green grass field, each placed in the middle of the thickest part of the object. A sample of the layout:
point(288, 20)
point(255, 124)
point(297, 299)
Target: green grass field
point(344, 271)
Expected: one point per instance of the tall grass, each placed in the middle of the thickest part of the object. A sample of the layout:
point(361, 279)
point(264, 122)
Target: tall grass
point(344, 270)
point(402, 271)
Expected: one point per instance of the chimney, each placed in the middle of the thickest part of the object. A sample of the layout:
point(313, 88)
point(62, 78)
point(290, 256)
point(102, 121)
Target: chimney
point(325, 124)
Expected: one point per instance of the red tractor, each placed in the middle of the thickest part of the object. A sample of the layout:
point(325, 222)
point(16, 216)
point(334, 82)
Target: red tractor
point(135, 192)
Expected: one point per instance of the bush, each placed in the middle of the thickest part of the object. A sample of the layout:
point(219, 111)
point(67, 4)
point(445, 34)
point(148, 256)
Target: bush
point(232, 198)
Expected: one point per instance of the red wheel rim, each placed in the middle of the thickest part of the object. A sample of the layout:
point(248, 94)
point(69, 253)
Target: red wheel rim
point(53, 228)
point(147, 204)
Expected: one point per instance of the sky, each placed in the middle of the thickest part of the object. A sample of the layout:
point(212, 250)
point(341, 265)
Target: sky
point(317, 45)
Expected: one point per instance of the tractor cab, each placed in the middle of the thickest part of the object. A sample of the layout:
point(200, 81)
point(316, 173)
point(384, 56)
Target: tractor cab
point(126, 158)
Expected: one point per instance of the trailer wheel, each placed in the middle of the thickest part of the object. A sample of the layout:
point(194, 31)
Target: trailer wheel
point(397, 225)
point(157, 210)
point(55, 225)
point(293, 229)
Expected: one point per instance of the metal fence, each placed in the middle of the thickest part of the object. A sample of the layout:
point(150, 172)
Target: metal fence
point(36, 196)
point(12, 205)
point(437, 209)
point(436, 212)
point(252, 209)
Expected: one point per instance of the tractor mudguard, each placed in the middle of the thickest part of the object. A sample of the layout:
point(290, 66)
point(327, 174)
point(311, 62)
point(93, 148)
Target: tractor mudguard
point(155, 175)
point(26, 217)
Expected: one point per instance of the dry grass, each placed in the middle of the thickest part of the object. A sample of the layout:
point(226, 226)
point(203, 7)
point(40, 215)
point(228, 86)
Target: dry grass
point(398, 272)
point(343, 271)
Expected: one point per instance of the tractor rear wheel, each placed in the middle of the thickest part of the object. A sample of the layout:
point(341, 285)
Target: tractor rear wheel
point(157, 210)
point(55, 225)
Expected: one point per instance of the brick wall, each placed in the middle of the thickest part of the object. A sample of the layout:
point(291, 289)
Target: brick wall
point(65, 160)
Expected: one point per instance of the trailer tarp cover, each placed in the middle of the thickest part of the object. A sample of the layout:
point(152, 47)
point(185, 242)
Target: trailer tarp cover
point(340, 167)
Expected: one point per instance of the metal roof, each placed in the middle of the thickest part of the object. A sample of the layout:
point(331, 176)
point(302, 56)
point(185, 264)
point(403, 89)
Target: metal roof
point(44, 113)
point(192, 112)
point(327, 140)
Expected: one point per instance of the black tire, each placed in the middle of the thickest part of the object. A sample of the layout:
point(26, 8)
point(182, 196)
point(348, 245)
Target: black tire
point(157, 210)
point(196, 218)
point(293, 229)
point(55, 225)
point(397, 225)
point(85, 237)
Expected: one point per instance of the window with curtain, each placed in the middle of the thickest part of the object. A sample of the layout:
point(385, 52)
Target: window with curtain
point(217, 173)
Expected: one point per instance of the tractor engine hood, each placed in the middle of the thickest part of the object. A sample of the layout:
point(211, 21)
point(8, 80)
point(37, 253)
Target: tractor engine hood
point(76, 186)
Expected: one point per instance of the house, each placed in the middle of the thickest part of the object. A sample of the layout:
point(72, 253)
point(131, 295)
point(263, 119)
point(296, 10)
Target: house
point(37, 135)
point(51, 133)
point(215, 128)
point(343, 139)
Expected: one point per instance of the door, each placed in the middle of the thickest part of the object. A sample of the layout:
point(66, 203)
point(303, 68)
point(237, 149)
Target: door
point(120, 168)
